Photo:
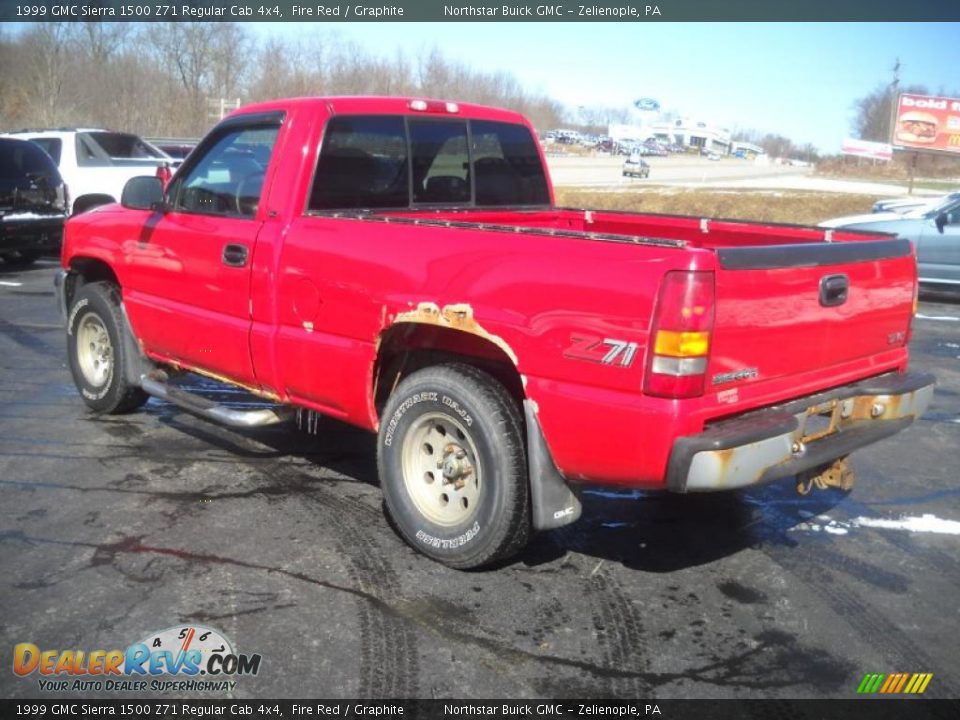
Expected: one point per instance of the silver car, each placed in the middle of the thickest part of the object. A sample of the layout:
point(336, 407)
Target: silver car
point(902, 205)
point(935, 231)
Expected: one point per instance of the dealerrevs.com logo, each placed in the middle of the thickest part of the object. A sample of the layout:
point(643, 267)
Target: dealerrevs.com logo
point(178, 659)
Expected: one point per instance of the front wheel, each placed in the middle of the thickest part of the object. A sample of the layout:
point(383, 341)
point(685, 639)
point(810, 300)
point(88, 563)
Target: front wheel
point(453, 467)
point(96, 351)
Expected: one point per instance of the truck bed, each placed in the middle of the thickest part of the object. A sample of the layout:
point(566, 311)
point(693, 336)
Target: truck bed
point(772, 331)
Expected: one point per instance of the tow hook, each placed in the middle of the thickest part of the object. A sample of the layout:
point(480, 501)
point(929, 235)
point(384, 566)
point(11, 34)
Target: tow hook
point(839, 474)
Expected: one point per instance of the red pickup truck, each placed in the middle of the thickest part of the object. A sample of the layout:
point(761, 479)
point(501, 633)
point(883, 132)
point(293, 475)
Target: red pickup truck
point(399, 264)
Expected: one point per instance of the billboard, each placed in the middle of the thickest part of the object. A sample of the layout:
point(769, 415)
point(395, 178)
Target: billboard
point(927, 122)
point(867, 149)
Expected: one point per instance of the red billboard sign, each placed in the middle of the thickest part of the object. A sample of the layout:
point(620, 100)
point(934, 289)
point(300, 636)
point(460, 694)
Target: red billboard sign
point(926, 122)
point(867, 149)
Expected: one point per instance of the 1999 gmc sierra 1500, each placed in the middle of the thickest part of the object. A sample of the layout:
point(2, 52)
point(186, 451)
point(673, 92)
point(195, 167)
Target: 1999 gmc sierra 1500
point(399, 264)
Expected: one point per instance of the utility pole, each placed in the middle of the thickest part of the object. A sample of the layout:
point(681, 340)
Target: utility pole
point(894, 98)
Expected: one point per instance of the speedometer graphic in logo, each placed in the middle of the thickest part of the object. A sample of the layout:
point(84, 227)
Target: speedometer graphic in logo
point(183, 639)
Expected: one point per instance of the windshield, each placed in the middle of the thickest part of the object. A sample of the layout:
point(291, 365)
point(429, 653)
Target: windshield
point(948, 204)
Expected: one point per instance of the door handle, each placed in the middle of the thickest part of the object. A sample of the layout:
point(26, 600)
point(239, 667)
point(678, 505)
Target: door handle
point(833, 290)
point(234, 255)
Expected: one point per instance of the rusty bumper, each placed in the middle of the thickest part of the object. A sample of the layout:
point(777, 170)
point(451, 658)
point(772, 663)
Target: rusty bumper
point(784, 440)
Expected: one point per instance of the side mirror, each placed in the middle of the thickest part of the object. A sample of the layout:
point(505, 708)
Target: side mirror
point(143, 193)
point(940, 221)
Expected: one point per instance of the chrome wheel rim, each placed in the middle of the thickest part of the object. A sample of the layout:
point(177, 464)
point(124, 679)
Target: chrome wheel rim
point(441, 469)
point(94, 350)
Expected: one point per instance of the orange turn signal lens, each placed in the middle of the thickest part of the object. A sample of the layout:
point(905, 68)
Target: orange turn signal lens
point(681, 344)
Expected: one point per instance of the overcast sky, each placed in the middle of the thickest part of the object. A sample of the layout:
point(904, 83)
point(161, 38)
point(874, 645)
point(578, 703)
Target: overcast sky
point(797, 79)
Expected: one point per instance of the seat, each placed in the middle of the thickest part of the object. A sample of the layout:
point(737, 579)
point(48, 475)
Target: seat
point(345, 179)
point(497, 182)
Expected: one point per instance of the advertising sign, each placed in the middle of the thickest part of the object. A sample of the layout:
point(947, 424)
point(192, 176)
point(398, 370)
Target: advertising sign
point(867, 149)
point(926, 122)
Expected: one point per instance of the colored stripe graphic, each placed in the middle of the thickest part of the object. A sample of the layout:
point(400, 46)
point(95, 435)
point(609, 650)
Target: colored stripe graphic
point(894, 683)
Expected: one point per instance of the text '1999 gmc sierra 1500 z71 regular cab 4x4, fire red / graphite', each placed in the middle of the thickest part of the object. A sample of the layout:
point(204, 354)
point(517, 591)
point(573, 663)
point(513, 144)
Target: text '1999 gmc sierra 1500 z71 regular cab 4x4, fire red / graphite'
point(399, 264)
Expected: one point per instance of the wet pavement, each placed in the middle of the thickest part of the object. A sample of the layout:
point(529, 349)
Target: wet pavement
point(112, 528)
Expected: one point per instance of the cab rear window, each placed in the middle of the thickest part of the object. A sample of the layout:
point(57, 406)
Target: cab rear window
point(384, 162)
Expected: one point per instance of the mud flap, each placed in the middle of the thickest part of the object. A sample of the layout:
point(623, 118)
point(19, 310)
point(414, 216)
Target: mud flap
point(136, 364)
point(554, 504)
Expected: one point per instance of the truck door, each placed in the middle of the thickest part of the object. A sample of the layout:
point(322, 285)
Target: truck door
point(190, 269)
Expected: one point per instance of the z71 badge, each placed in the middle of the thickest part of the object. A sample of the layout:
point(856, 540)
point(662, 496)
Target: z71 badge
point(606, 351)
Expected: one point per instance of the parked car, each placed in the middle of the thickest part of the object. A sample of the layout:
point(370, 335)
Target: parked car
point(33, 202)
point(381, 269)
point(636, 166)
point(95, 163)
point(654, 148)
point(627, 146)
point(935, 231)
point(904, 205)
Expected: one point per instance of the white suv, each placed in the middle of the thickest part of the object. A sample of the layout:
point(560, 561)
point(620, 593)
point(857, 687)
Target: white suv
point(95, 163)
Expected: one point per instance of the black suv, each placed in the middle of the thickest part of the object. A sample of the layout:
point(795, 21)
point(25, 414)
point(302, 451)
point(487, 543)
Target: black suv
point(33, 202)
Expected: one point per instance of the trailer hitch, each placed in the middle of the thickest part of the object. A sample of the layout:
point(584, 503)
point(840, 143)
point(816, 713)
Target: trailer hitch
point(838, 474)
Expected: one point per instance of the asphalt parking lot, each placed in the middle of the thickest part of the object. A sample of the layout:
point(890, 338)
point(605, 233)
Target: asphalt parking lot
point(113, 528)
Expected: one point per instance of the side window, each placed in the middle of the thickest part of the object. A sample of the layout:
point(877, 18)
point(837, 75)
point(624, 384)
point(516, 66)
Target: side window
point(88, 154)
point(440, 161)
point(227, 178)
point(362, 164)
point(507, 165)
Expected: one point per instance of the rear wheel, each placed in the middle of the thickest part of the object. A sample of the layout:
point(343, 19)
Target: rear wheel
point(453, 467)
point(96, 351)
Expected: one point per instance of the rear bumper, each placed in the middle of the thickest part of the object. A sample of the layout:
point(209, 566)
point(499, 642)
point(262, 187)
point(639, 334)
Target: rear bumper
point(787, 439)
point(41, 234)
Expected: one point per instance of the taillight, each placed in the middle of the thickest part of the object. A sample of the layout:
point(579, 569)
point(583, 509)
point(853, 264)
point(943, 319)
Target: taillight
point(164, 173)
point(680, 337)
point(916, 301)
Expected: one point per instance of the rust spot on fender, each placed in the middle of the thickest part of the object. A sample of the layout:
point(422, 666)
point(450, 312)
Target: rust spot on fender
point(457, 316)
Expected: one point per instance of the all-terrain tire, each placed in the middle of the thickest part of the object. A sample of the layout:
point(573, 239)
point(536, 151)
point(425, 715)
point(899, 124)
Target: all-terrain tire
point(97, 352)
point(453, 467)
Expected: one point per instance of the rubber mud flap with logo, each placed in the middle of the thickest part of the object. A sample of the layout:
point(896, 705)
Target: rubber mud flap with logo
point(553, 502)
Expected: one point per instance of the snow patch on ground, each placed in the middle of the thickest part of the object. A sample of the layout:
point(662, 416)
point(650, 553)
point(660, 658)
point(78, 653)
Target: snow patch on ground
point(925, 523)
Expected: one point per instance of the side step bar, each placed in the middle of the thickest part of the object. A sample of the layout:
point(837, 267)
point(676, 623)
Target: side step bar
point(155, 384)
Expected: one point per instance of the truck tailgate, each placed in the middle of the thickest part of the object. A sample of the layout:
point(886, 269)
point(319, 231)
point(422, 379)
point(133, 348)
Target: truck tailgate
point(783, 310)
